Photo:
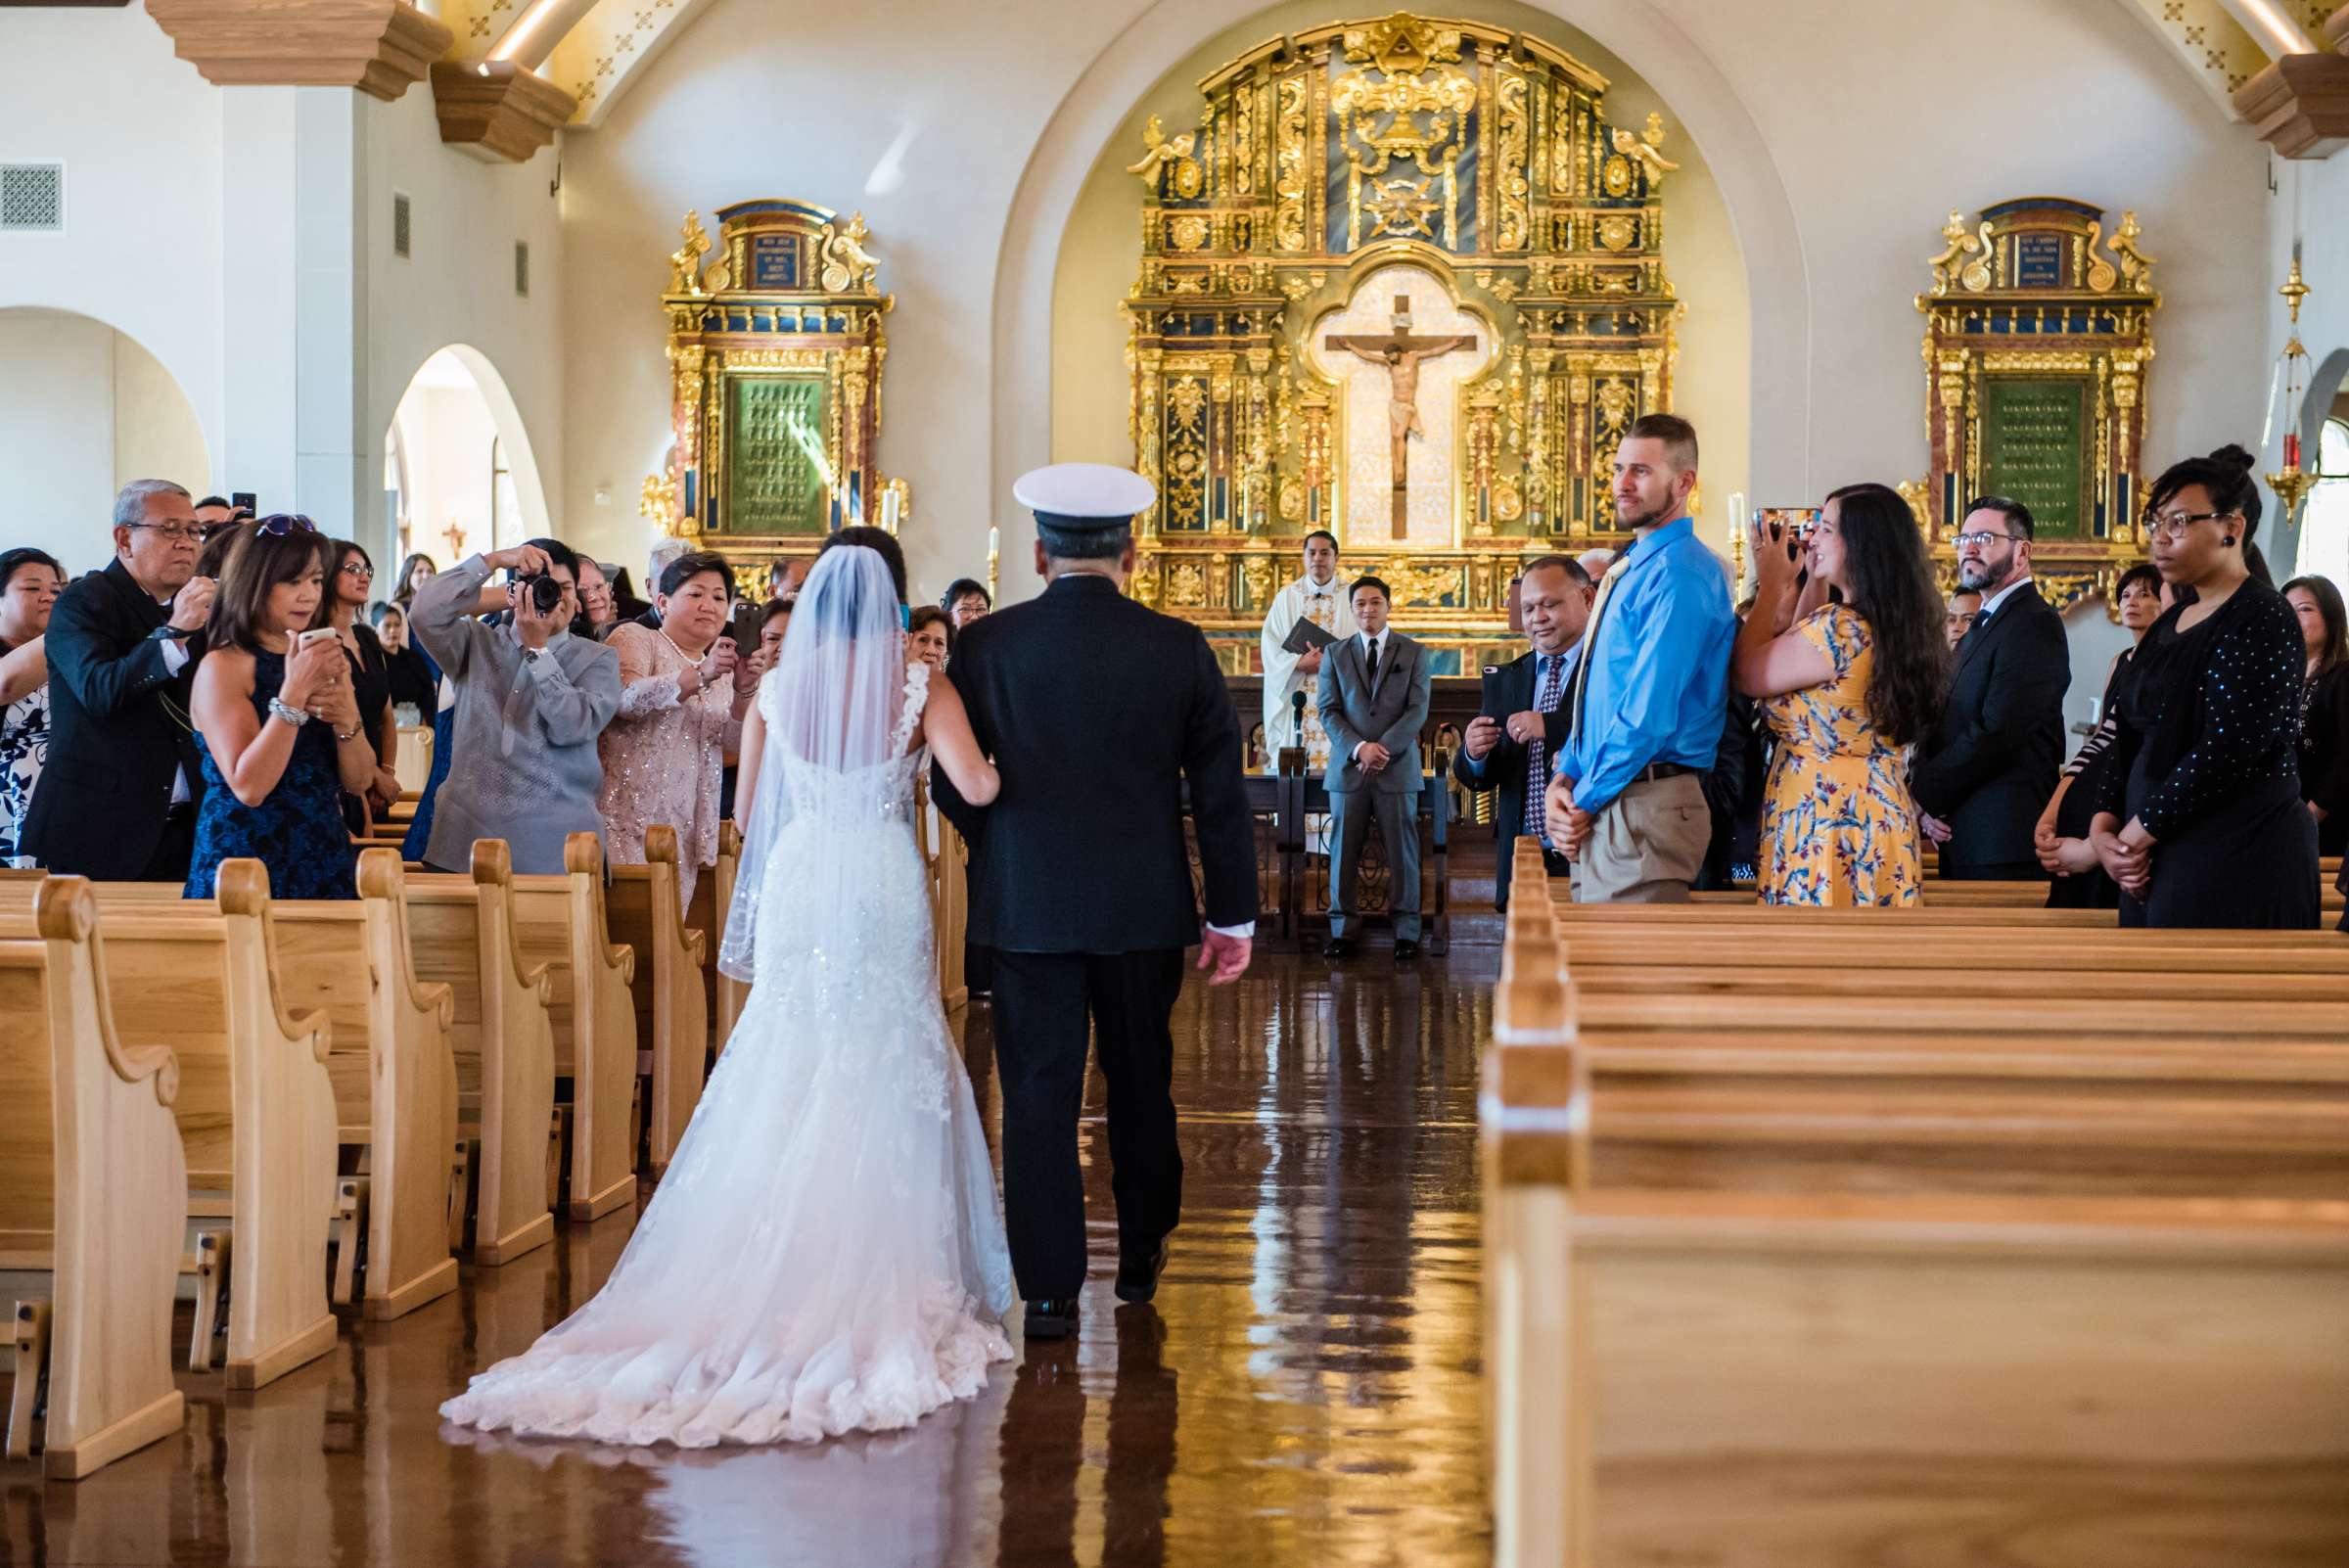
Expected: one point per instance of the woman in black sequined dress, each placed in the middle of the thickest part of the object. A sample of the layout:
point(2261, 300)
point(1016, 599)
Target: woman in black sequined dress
point(2199, 817)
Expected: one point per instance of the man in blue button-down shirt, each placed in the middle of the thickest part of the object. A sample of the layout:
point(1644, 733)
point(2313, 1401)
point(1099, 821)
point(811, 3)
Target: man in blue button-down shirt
point(1627, 804)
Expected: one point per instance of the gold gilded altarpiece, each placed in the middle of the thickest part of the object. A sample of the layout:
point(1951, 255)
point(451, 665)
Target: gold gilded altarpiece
point(1447, 187)
point(775, 350)
point(2038, 341)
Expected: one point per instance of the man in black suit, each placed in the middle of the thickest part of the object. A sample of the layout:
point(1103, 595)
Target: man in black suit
point(1983, 774)
point(1523, 718)
point(1097, 711)
point(117, 799)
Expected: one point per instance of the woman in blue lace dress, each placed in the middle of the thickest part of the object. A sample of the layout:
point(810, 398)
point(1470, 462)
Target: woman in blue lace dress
point(277, 722)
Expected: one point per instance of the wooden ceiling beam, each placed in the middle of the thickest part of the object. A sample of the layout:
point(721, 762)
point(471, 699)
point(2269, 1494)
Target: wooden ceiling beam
point(381, 47)
point(2300, 104)
point(497, 110)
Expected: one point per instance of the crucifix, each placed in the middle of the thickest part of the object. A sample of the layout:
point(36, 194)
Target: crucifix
point(1401, 353)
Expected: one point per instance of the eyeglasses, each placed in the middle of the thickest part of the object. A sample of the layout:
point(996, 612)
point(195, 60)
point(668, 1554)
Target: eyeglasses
point(280, 524)
point(1965, 541)
point(175, 533)
point(2172, 526)
point(358, 569)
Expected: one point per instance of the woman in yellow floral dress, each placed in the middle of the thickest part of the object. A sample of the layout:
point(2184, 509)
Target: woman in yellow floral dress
point(1847, 688)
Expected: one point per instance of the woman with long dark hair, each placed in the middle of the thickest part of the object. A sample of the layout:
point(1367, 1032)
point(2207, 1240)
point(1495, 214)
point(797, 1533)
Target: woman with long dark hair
point(344, 610)
point(2061, 838)
point(2201, 819)
point(2324, 708)
point(1845, 688)
point(276, 722)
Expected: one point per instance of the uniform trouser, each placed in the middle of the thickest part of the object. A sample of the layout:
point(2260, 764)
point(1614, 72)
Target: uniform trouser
point(1043, 1003)
point(1398, 816)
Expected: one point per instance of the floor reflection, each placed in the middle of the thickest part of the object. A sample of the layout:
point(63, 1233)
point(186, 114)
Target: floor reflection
point(1304, 1390)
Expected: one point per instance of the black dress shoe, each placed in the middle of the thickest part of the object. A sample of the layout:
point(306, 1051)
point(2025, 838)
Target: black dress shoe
point(1406, 951)
point(1138, 1278)
point(1338, 947)
point(1053, 1317)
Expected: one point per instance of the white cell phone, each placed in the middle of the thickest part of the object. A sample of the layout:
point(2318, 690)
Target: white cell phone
point(316, 634)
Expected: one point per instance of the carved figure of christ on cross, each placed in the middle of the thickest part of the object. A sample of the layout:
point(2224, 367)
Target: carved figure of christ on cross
point(1400, 352)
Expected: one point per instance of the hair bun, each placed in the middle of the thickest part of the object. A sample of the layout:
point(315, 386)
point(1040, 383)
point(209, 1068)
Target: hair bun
point(2235, 456)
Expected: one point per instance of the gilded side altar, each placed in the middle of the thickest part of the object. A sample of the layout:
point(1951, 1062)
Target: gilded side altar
point(1435, 222)
point(2039, 338)
point(776, 349)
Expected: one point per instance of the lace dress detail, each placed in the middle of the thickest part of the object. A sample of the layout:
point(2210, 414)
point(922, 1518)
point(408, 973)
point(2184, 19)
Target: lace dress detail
point(826, 1253)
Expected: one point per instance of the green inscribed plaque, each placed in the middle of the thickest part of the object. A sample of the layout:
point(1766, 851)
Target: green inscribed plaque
point(773, 484)
point(2035, 449)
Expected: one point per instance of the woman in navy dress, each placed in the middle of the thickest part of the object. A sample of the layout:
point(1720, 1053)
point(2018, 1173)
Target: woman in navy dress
point(277, 722)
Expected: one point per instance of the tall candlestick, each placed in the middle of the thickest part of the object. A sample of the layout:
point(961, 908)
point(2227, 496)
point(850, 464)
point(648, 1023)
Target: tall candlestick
point(994, 542)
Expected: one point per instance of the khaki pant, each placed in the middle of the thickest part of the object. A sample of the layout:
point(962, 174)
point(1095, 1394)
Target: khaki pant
point(1647, 846)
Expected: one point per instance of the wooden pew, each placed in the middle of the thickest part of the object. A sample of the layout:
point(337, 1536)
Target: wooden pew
point(949, 860)
point(560, 922)
point(712, 901)
point(93, 1194)
point(393, 1073)
point(673, 1018)
point(255, 1107)
point(1685, 1356)
point(463, 933)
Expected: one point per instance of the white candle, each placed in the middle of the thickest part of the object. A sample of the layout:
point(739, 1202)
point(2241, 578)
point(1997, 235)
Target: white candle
point(889, 509)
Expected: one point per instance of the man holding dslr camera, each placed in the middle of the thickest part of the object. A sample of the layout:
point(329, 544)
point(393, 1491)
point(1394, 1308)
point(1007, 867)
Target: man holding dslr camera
point(531, 700)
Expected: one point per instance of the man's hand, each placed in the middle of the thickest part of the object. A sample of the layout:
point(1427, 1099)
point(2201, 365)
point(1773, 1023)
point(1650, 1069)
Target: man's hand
point(1484, 734)
point(1310, 664)
point(1372, 755)
point(1578, 834)
point(535, 629)
point(524, 560)
point(1525, 727)
point(1557, 808)
point(192, 607)
point(1935, 828)
point(1227, 955)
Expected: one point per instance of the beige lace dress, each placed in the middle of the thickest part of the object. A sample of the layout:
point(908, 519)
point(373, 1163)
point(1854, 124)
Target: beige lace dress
point(663, 755)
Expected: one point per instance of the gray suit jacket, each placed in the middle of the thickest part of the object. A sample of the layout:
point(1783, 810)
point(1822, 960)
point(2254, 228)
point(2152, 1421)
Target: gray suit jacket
point(1391, 715)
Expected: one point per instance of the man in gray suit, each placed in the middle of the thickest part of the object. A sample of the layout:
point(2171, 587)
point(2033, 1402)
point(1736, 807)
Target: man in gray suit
point(1373, 702)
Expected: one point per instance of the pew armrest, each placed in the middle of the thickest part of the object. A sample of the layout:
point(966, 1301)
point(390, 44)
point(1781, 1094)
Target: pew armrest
point(309, 1024)
point(697, 948)
point(622, 957)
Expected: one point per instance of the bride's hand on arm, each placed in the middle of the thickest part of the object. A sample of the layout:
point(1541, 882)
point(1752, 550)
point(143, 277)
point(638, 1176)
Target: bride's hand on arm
point(948, 730)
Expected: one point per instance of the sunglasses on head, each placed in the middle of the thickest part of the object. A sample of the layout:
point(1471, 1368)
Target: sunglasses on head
point(280, 524)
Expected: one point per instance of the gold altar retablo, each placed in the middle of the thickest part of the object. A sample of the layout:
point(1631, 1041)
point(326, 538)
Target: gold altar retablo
point(1403, 282)
point(777, 350)
point(2039, 338)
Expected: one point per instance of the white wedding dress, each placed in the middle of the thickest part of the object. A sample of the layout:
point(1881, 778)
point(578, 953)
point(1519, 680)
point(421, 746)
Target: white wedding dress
point(826, 1253)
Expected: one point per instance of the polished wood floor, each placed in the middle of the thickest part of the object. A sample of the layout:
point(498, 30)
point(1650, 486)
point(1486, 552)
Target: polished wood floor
point(1303, 1390)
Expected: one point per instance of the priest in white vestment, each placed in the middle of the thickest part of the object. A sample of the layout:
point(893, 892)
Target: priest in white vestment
point(1320, 598)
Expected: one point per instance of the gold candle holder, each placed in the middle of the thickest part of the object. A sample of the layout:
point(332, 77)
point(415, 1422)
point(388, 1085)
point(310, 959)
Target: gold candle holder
point(2292, 482)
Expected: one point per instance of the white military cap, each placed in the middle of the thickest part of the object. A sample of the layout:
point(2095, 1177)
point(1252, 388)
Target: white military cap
point(1081, 496)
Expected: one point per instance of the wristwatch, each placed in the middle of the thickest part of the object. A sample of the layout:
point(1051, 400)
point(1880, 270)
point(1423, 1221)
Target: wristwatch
point(529, 655)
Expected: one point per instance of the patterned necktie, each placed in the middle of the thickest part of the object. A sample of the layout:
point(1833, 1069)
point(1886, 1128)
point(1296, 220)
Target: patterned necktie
point(1598, 618)
point(1537, 749)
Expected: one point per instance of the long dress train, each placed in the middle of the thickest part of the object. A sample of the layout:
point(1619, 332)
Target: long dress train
point(826, 1252)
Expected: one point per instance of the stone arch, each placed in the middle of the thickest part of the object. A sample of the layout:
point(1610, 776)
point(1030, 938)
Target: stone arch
point(504, 417)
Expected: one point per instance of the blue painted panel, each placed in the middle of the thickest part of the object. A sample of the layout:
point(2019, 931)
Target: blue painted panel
point(774, 261)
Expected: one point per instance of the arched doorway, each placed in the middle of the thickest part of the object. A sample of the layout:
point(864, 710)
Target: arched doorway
point(459, 473)
point(84, 409)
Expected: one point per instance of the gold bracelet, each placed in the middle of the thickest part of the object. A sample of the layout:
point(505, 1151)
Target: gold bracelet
point(354, 735)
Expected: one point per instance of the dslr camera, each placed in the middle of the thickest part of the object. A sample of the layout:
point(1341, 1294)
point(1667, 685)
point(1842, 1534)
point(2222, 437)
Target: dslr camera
point(545, 592)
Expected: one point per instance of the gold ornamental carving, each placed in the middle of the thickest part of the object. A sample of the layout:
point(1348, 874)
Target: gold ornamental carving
point(777, 351)
point(1472, 156)
point(2039, 337)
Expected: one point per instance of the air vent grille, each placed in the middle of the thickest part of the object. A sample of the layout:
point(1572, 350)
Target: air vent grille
point(400, 235)
point(522, 268)
point(32, 196)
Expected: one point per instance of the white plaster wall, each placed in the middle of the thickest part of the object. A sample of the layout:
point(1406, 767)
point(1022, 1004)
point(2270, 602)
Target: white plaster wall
point(446, 432)
point(458, 288)
point(140, 140)
point(84, 409)
point(1860, 125)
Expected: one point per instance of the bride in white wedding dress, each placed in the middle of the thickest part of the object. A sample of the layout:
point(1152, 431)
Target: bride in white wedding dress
point(825, 1253)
